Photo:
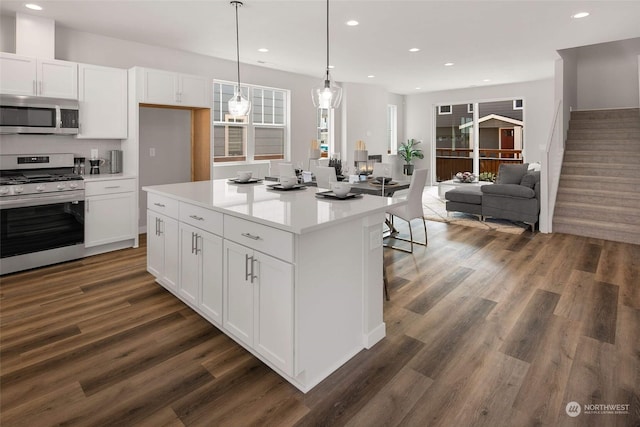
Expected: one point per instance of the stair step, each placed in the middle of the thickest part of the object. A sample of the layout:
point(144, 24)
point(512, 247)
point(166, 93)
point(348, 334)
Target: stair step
point(606, 197)
point(598, 230)
point(618, 214)
point(603, 134)
point(632, 145)
point(606, 114)
point(626, 184)
point(604, 123)
point(600, 169)
point(591, 156)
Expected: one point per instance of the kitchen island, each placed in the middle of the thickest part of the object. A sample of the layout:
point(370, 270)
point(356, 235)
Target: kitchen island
point(294, 279)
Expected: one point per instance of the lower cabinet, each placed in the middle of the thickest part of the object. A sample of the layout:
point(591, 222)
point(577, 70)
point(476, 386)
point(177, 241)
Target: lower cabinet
point(200, 270)
point(258, 303)
point(110, 212)
point(162, 249)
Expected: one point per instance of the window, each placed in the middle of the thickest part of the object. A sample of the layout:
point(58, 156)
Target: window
point(470, 108)
point(518, 104)
point(444, 109)
point(263, 135)
point(392, 129)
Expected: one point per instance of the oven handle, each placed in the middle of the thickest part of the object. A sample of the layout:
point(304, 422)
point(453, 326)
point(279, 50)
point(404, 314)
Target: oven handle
point(26, 201)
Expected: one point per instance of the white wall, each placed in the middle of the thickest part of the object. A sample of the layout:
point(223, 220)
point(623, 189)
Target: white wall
point(538, 112)
point(164, 130)
point(607, 75)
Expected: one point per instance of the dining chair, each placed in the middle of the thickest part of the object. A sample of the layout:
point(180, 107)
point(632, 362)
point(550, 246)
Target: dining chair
point(382, 169)
point(411, 210)
point(325, 175)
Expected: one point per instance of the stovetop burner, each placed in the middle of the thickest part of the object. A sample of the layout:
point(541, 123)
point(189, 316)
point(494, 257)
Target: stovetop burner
point(19, 179)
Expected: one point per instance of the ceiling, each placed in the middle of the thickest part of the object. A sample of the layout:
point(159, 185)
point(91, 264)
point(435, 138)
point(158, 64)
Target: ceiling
point(489, 42)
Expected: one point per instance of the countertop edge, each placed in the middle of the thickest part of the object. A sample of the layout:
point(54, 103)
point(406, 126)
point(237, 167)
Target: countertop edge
point(294, 230)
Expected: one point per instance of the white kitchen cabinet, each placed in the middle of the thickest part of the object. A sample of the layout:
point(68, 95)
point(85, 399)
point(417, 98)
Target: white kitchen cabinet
point(162, 244)
point(102, 96)
point(110, 211)
point(169, 88)
point(23, 75)
point(201, 271)
point(258, 303)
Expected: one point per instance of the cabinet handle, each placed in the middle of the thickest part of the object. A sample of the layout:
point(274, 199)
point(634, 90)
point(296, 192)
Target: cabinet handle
point(160, 226)
point(113, 187)
point(246, 267)
point(157, 226)
point(198, 247)
point(35, 89)
point(251, 236)
point(193, 247)
point(41, 85)
point(87, 203)
point(196, 217)
point(253, 260)
point(159, 204)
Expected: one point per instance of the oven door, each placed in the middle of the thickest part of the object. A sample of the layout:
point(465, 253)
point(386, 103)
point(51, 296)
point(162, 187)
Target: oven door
point(34, 224)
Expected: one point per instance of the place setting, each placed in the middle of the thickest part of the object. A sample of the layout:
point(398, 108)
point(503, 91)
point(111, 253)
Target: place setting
point(339, 191)
point(287, 183)
point(244, 177)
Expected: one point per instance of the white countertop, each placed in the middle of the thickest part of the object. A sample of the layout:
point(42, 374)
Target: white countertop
point(296, 211)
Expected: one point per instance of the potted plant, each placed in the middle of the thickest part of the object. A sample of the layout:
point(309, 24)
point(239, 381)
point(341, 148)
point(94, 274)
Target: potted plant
point(408, 152)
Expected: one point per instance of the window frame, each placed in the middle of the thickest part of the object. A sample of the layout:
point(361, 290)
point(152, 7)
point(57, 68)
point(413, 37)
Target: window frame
point(250, 126)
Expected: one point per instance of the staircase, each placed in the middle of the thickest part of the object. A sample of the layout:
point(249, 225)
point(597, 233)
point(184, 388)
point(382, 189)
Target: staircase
point(599, 189)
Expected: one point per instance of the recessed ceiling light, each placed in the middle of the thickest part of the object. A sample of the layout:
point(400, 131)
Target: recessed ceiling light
point(33, 6)
point(486, 80)
point(448, 64)
point(352, 23)
point(580, 15)
point(332, 66)
point(418, 88)
point(370, 76)
point(263, 49)
point(414, 49)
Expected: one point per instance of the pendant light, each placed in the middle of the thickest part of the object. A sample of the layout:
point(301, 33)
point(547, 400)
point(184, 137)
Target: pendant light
point(238, 105)
point(328, 95)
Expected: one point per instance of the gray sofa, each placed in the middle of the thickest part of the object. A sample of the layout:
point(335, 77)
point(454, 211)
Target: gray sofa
point(515, 196)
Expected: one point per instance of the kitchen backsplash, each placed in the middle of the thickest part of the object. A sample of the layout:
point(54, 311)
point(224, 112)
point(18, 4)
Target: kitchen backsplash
point(37, 144)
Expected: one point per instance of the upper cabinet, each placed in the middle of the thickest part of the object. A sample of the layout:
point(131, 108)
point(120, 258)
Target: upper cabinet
point(169, 88)
point(22, 75)
point(102, 96)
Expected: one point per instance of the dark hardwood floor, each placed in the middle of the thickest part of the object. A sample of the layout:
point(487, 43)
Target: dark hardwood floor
point(483, 329)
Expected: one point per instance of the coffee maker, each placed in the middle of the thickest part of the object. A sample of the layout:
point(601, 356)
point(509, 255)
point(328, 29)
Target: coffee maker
point(95, 166)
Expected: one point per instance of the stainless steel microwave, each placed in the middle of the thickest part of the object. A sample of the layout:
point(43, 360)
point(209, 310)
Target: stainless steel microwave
point(29, 115)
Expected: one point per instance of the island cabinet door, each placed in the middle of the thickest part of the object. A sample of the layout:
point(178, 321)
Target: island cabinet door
point(210, 302)
point(162, 249)
point(238, 291)
point(189, 264)
point(273, 320)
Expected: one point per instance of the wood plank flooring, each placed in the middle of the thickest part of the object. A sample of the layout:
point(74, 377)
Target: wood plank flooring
point(483, 329)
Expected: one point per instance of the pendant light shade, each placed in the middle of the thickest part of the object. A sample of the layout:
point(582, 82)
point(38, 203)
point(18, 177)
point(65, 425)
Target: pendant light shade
point(238, 104)
point(328, 94)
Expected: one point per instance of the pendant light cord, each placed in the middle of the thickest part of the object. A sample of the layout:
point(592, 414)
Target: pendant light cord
point(238, 45)
point(327, 39)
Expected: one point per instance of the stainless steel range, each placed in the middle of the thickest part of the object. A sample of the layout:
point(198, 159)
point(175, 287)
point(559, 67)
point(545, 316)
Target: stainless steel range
point(41, 211)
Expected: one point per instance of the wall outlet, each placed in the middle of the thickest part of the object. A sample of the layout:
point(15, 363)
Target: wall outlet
point(94, 153)
point(152, 152)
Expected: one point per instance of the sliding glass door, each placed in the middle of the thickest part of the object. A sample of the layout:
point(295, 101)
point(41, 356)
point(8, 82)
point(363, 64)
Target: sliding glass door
point(499, 137)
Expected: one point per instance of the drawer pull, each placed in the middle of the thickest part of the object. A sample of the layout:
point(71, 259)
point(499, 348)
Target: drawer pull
point(160, 205)
point(113, 187)
point(251, 236)
point(196, 217)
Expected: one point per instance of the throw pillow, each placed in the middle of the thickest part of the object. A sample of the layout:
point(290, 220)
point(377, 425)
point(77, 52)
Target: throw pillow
point(529, 179)
point(511, 174)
